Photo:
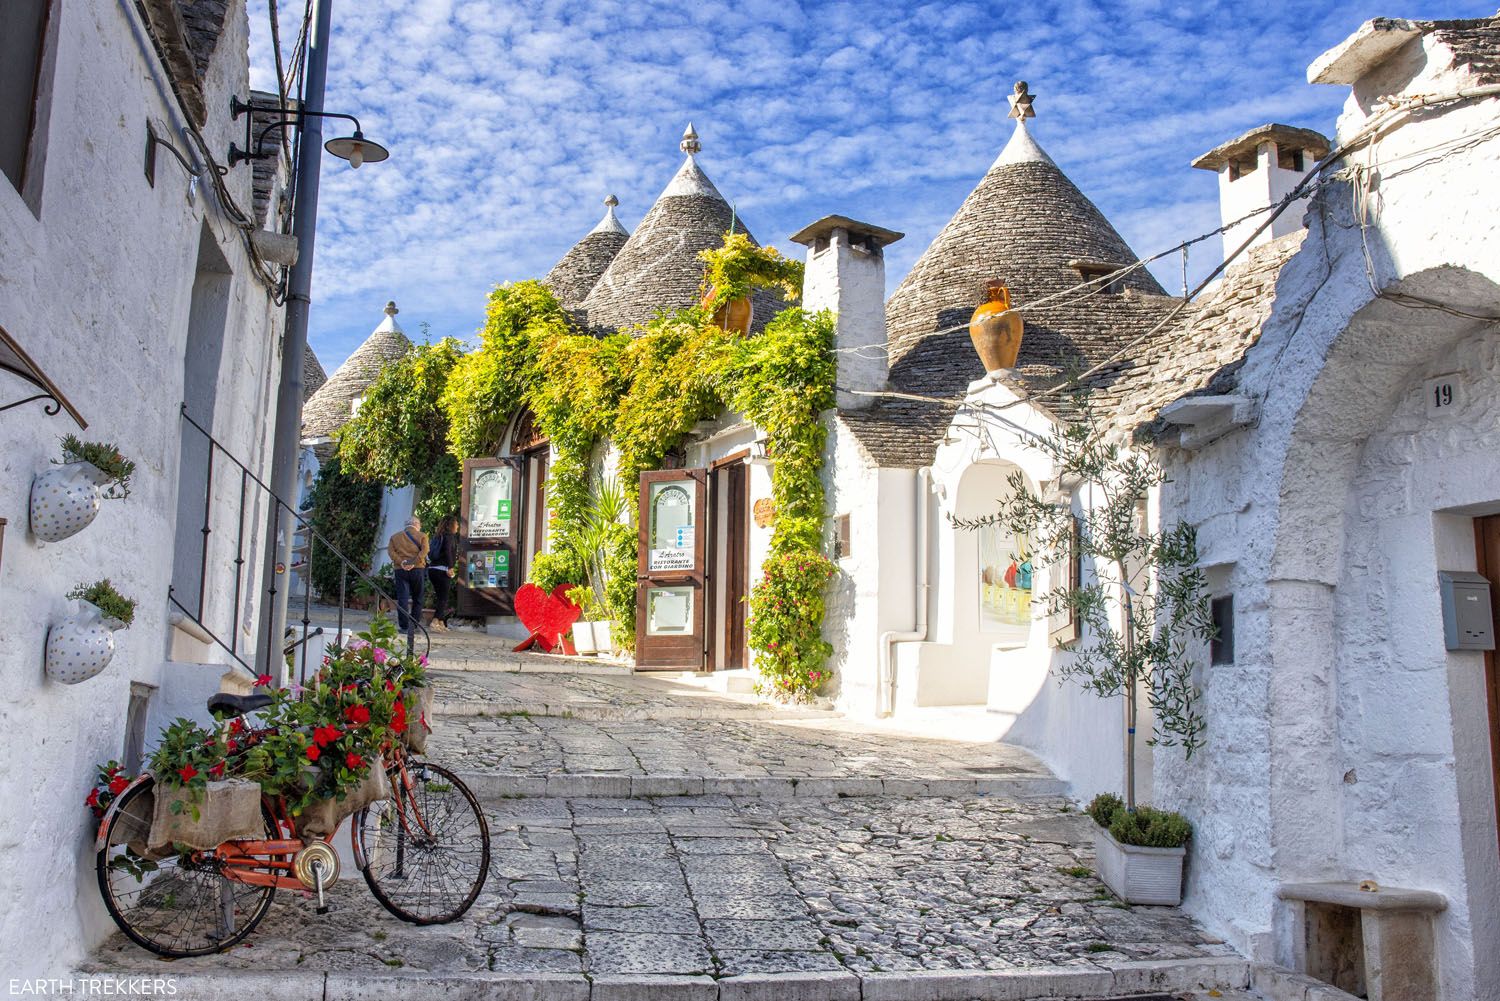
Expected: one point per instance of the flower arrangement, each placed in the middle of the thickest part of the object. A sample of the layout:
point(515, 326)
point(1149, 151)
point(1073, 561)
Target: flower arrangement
point(188, 757)
point(103, 596)
point(106, 458)
point(786, 616)
point(111, 781)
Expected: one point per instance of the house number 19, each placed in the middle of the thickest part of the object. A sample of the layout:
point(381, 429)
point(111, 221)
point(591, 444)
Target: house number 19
point(1442, 394)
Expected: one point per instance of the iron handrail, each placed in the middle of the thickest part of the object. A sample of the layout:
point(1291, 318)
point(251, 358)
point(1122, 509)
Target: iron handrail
point(314, 540)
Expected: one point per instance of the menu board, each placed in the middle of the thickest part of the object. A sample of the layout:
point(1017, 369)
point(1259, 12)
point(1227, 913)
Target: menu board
point(490, 494)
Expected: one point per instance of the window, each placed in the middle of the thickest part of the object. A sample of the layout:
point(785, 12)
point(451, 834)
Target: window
point(20, 69)
point(841, 548)
point(1242, 165)
point(1289, 159)
point(1089, 271)
point(1221, 647)
point(135, 727)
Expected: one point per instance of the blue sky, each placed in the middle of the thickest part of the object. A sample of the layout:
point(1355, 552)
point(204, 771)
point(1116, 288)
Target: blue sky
point(509, 121)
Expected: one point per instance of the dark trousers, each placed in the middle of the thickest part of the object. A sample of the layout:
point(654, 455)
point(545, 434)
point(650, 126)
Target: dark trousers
point(441, 585)
point(409, 599)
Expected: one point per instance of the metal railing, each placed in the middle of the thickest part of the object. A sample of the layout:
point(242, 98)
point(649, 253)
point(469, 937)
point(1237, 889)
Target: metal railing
point(251, 489)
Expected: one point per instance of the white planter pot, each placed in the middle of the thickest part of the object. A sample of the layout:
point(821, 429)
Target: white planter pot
point(65, 499)
point(81, 645)
point(603, 641)
point(583, 639)
point(1140, 875)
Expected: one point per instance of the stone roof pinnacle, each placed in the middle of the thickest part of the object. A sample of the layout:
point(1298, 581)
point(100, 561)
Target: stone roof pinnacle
point(1020, 102)
point(611, 222)
point(690, 144)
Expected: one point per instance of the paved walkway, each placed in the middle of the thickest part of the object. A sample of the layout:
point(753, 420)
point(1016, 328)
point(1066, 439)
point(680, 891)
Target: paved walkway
point(732, 854)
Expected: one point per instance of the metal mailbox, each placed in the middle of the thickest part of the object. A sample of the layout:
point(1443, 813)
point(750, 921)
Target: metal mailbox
point(1468, 621)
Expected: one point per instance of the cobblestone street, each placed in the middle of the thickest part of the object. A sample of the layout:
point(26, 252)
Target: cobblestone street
point(844, 854)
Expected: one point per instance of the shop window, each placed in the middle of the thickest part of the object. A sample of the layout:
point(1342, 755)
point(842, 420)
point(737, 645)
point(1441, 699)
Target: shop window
point(841, 548)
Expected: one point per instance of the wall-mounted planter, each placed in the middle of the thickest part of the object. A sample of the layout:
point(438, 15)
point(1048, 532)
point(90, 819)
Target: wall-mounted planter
point(81, 645)
point(1139, 875)
point(65, 500)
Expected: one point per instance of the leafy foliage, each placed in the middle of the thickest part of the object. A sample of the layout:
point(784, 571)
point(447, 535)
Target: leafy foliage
point(738, 267)
point(1153, 578)
point(346, 512)
point(399, 437)
point(109, 601)
point(104, 456)
point(1144, 826)
point(786, 620)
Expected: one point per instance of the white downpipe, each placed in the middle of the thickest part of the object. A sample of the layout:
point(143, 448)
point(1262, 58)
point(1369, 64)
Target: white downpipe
point(889, 639)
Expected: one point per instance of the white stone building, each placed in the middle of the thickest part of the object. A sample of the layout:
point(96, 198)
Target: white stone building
point(132, 285)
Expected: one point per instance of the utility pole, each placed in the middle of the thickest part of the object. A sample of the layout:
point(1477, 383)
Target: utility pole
point(286, 447)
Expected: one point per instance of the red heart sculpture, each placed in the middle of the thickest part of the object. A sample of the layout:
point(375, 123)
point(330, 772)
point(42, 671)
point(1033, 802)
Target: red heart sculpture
point(548, 617)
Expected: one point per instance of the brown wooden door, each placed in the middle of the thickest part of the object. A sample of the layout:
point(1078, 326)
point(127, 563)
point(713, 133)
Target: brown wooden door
point(737, 564)
point(671, 594)
point(1487, 542)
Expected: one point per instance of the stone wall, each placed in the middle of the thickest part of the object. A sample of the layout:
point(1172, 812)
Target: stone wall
point(96, 283)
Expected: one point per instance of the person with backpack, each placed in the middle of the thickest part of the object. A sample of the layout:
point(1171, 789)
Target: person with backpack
point(408, 551)
point(442, 563)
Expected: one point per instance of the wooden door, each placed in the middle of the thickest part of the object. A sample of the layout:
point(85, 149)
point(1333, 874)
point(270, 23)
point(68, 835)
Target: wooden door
point(1487, 542)
point(737, 564)
point(670, 623)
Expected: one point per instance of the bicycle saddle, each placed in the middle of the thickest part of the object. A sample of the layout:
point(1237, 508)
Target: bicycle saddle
point(226, 704)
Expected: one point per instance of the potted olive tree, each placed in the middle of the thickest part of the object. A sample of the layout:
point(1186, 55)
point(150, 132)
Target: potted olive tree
point(1139, 613)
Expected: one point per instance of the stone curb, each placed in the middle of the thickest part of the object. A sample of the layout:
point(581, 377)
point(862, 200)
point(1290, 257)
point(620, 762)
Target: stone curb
point(1210, 973)
point(491, 786)
point(1278, 984)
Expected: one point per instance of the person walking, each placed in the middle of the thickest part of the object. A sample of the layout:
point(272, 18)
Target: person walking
point(408, 550)
point(442, 560)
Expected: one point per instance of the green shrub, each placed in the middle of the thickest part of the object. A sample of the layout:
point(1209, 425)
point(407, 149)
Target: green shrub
point(548, 570)
point(106, 457)
point(1145, 827)
point(346, 512)
point(103, 595)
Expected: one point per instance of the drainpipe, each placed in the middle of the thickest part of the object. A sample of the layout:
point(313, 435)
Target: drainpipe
point(888, 640)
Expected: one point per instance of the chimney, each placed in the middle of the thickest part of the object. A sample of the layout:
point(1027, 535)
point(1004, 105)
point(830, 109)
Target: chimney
point(1256, 171)
point(846, 274)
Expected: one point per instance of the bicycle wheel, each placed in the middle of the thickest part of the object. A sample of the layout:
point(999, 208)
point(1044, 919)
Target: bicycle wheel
point(427, 848)
point(173, 906)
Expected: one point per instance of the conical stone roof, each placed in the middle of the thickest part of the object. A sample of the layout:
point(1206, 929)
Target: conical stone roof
point(333, 404)
point(313, 375)
point(581, 267)
point(658, 267)
point(1027, 225)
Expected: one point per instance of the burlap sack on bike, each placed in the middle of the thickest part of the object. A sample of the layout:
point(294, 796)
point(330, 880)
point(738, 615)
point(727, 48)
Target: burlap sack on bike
point(227, 809)
point(132, 824)
point(322, 817)
point(418, 719)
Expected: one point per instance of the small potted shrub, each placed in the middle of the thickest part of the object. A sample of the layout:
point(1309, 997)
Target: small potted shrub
point(65, 500)
point(197, 805)
point(591, 631)
point(81, 645)
point(1140, 851)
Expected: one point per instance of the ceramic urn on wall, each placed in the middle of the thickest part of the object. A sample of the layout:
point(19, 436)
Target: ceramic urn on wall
point(65, 500)
point(80, 646)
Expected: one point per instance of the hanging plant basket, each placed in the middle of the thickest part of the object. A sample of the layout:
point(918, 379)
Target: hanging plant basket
point(226, 809)
point(65, 500)
point(81, 645)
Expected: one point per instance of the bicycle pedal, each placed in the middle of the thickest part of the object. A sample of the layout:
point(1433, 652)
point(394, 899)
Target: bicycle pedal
point(325, 909)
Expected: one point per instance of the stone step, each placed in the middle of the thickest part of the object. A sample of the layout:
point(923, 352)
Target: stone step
point(1127, 979)
point(520, 663)
point(494, 786)
point(604, 712)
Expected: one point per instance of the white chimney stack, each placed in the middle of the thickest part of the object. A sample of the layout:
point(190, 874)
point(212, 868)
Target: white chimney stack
point(1256, 171)
point(846, 274)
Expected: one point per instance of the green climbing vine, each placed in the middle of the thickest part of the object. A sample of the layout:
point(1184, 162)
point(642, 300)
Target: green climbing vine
point(644, 391)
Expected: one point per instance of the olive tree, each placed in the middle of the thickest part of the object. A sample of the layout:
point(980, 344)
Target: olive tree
point(1143, 607)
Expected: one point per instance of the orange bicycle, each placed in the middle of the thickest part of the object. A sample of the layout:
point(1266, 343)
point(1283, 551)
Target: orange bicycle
point(424, 852)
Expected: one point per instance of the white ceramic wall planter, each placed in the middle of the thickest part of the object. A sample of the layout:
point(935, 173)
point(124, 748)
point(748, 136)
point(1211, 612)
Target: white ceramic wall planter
point(65, 500)
point(81, 645)
point(1139, 875)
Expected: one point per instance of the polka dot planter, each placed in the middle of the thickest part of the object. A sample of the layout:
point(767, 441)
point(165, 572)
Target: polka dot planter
point(81, 645)
point(64, 500)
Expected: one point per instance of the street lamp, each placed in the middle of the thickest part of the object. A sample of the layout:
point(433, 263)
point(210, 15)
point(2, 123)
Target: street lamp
point(356, 148)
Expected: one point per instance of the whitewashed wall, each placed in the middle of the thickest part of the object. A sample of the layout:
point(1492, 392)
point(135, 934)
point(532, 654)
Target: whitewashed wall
point(1343, 741)
point(97, 288)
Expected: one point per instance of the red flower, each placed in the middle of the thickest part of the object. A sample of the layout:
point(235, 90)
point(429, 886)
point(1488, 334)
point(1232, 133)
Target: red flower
point(217, 771)
point(236, 726)
point(93, 799)
point(357, 715)
point(187, 773)
point(232, 744)
point(353, 760)
point(325, 735)
point(117, 785)
point(263, 680)
point(312, 752)
point(398, 717)
point(390, 686)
